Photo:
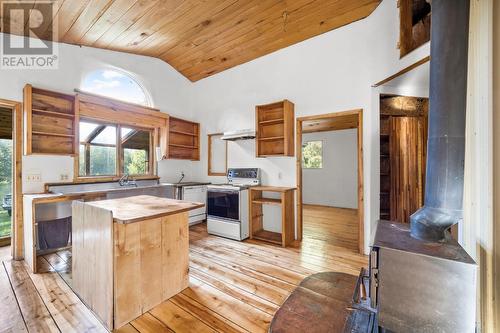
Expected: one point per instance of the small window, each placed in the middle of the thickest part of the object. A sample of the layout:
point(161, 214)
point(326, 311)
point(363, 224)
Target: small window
point(97, 149)
point(117, 85)
point(312, 155)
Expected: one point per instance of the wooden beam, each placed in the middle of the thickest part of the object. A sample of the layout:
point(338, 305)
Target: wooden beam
point(403, 71)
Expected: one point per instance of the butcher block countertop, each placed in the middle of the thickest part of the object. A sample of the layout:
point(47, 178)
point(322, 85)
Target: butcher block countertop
point(144, 207)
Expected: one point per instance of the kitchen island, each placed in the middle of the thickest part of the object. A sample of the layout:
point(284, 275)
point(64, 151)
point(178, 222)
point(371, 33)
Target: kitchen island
point(129, 254)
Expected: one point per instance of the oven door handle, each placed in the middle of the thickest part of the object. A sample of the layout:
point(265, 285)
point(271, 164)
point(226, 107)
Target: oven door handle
point(222, 191)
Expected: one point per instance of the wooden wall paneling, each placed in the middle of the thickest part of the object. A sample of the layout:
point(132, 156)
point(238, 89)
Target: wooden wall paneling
point(412, 34)
point(93, 248)
point(406, 145)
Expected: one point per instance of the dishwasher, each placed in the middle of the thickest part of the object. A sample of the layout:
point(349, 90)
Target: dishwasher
point(195, 193)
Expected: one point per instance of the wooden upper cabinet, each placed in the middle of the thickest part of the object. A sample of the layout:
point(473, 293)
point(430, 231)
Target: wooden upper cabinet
point(183, 139)
point(275, 129)
point(50, 122)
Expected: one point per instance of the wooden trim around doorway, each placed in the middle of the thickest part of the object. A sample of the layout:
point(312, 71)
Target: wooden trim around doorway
point(333, 116)
point(17, 221)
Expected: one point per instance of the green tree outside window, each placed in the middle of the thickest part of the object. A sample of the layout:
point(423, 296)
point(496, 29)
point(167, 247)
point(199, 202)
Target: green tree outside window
point(312, 155)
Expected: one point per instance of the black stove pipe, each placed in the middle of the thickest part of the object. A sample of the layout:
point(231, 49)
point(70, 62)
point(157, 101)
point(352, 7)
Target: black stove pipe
point(446, 145)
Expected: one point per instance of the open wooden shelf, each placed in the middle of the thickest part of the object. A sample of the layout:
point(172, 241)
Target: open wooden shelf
point(183, 139)
point(268, 236)
point(272, 138)
point(53, 113)
point(53, 134)
point(183, 133)
point(182, 146)
point(275, 129)
point(268, 201)
point(272, 121)
point(50, 122)
point(286, 203)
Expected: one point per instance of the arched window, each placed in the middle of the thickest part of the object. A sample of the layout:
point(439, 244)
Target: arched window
point(115, 84)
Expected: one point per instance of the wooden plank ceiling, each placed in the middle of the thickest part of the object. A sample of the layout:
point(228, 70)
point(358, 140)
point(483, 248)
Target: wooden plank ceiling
point(197, 37)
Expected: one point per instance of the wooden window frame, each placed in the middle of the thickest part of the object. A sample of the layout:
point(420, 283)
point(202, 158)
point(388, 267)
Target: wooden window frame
point(210, 173)
point(107, 110)
point(16, 237)
point(119, 154)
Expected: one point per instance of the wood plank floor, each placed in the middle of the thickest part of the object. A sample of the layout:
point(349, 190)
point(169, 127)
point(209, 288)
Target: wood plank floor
point(234, 287)
point(336, 226)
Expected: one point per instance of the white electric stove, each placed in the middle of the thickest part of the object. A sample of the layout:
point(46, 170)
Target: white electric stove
point(227, 204)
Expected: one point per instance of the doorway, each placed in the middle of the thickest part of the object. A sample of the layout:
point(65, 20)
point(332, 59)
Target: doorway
point(403, 154)
point(340, 218)
point(6, 162)
point(11, 217)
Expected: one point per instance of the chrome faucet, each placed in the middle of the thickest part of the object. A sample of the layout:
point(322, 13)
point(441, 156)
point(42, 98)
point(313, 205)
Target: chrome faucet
point(126, 181)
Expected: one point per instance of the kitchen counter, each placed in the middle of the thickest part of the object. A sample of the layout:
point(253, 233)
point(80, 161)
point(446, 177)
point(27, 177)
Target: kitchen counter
point(88, 194)
point(129, 254)
point(139, 208)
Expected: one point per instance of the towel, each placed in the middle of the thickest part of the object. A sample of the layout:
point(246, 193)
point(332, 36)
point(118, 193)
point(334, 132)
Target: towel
point(54, 234)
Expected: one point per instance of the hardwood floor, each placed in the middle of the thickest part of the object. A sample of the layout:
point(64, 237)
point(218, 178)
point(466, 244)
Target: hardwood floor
point(335, 226)
point(234, 287)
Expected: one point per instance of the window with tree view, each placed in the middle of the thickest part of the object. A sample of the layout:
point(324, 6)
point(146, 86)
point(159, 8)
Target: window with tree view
point(136, 151)
point(312, 155)
point(102, 155)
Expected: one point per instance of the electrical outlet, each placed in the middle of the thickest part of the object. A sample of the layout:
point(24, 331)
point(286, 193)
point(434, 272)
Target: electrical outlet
point(64, 177)
point(34, 177)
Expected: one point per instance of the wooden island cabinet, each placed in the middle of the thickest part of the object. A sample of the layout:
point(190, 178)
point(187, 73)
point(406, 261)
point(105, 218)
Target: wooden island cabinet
point(129, 255)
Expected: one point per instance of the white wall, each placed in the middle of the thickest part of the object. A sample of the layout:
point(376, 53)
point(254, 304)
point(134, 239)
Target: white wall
point(169, 91)
point(336, 184)
point(328, 73)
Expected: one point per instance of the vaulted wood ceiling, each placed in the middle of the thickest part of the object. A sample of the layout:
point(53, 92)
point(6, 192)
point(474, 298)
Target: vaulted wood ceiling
point(197, 37)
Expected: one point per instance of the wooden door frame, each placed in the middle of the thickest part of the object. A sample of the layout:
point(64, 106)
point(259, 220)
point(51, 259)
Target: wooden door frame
point(17, 138)
point(361, 223)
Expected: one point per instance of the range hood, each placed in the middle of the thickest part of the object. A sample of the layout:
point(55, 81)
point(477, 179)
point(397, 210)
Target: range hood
point(245, 134)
